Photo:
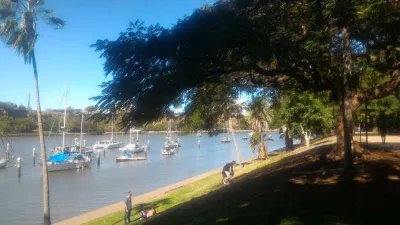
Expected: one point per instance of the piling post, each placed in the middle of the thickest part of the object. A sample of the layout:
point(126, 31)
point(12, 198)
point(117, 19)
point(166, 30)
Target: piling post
point(198, 143)
point(104, 152)
point(8, 151)
point(19, 168)
point(34, 155)
point(148, 144)
point(98, 157)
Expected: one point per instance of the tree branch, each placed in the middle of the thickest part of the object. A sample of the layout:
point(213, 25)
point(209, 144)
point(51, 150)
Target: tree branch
point(379, 91)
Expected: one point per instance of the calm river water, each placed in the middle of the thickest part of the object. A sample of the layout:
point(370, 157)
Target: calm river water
point(75, 192)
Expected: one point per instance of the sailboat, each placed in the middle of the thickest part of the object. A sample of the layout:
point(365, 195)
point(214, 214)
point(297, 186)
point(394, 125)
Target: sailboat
point(4, 160)
point(169, 143)
point(65, 158)
point(108, 144)
point(134, 147)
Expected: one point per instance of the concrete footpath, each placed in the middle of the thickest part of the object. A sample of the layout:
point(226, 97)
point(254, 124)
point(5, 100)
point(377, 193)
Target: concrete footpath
point(147, 197)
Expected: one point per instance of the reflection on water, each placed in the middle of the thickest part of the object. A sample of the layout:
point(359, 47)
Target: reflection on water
point(75, 192)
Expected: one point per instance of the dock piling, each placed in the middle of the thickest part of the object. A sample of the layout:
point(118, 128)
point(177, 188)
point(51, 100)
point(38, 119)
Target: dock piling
point(8, 151)
point(98, 157)
point(34, 155)
point(19, 163)
point(19, 168)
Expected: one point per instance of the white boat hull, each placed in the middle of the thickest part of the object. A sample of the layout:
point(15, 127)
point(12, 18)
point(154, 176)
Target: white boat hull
point(167, 151)
point(133, 148)
point(128, 159)
point(98, 146)
point(52, 167)
point(66, 166)
point(113, 145)
point(3, 163)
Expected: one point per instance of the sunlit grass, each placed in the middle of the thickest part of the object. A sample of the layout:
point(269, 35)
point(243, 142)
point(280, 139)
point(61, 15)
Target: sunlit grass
point(195, 190)
point(186, 193)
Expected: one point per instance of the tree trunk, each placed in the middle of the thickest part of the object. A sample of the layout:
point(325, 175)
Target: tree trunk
point(46, 204)
point(263, 148)
point(306, 135)
point(347, 101)
point(348, 134)
point(288, 140)
point(366, 124)
point(340, 134)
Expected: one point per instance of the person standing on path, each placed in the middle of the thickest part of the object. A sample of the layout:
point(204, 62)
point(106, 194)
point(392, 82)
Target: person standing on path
point(128, 208)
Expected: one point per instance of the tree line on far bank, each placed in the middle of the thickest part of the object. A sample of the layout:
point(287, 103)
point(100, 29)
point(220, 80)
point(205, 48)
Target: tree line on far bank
point(18, 119)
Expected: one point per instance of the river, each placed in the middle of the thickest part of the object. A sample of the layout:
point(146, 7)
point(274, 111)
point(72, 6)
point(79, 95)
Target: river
point(75, 192)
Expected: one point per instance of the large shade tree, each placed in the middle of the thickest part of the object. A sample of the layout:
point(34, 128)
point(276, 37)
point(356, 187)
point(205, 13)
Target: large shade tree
point(311, 44)
point(19, 20)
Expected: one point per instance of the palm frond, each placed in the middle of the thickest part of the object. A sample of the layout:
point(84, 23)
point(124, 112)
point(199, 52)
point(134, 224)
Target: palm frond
point(8, 28)
point(18, 21)
point(38, 2)
point(56, 22)
point(46, 12)
point(6, 9)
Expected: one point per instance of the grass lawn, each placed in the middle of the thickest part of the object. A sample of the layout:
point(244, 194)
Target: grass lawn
point(286, 189)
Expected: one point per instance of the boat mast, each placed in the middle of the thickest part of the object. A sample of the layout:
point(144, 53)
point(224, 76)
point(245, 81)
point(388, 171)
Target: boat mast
point(169, 128)
point(112, 127)
point(65, 116)
point(80, 141)
point(130, 136)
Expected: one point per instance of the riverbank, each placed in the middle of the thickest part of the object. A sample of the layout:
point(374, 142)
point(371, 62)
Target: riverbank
point(175, 194)
point(297, 188)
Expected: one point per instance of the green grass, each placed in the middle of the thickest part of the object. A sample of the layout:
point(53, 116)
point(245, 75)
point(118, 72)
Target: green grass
point(272, 192)
point(185, 193)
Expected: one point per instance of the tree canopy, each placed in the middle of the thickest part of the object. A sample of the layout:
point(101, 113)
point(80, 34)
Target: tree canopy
point(306, 113)
point(249, 43)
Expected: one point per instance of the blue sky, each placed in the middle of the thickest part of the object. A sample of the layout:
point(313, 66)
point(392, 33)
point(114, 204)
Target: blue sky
point(64, 56)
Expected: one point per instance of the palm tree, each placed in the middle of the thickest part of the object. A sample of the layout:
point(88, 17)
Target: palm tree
point(259, 116)
point(19, 19)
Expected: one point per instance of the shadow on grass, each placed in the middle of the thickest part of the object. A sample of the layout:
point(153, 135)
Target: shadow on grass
point(300, 190)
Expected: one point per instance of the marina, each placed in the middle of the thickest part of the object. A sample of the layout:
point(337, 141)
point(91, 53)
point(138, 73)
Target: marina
point(73, 192)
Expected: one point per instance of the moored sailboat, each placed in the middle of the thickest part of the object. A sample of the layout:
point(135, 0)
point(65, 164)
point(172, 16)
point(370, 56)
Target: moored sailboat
point(108, 144)
point(134, 147)
point(67, 157)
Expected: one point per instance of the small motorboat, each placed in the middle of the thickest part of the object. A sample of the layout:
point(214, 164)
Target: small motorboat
point(225, 140)
point(127, 157)
point(167, 151)
point(245, 138)
point(270, 138)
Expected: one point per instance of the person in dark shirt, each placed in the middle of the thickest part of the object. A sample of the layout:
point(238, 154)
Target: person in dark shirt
point(128, 208)
point(227, 172)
